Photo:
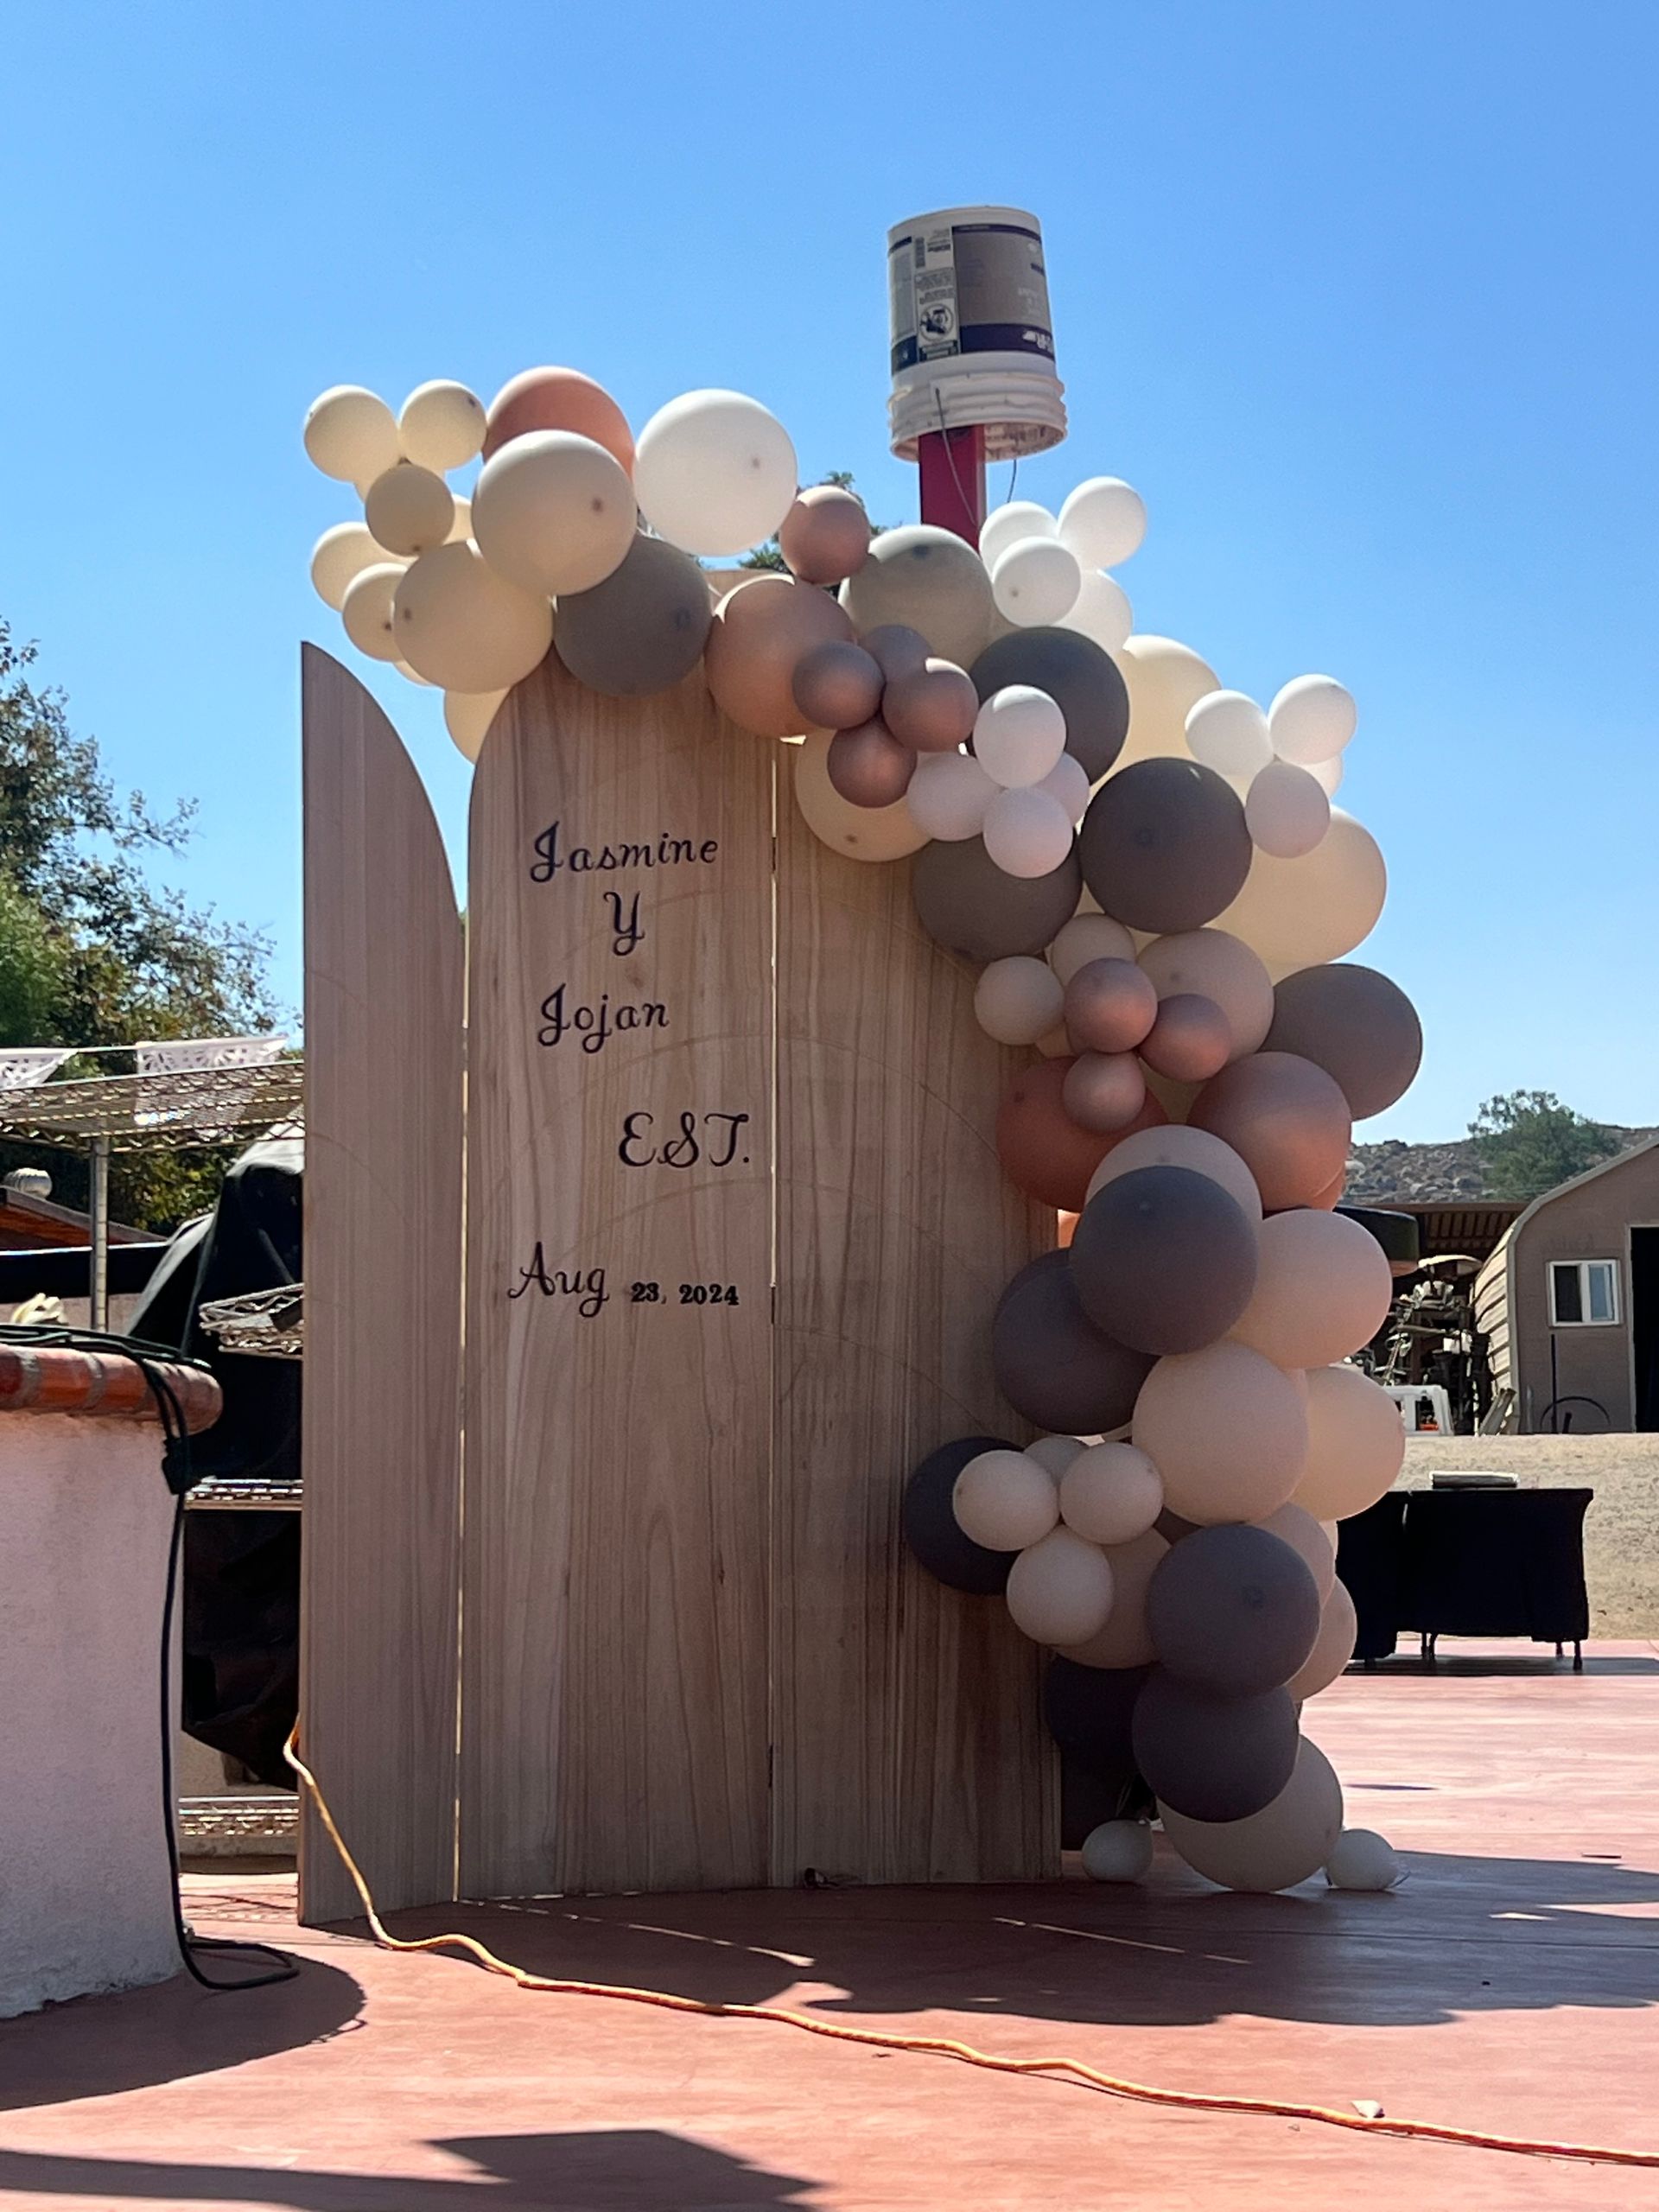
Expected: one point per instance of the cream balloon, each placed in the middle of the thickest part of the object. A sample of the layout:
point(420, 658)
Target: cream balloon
point(1125, 1641)
point(857, 833)
point(1323, 1290)
point(411, 675)
point(1068, 782)
point(1225, 1429)
point(1295, 1526)
point(1229, 733)
point(1299, 914)
point(1118, 1851)
point(339, 556)
point(1005, 1501)
point(1361, 1860)
point(1214, 964)
point(366, 610)
point(441, 425)
point(1333, 1647)
point(467, 716)
point(1055, 1453)
point(553, 512)
point(409, 509)
point(1285, 1843)
point(1110, 1494)
point(461, 526)
point(1287, 810)
point(465, 626)
point(714, 472)
point(1356, 1444)
point(351, 434)
point(1026, 833)
point(1035, 582)
point(1086, 937)
point(1008, 524)
point(1312, 719)
point(1327, 774)
point(1165, 680)
point(1018, 999)
point(1103, 521)
point(1177, 1146)
point(1060, 1590)
point(1019, 735)
point(1101, 611)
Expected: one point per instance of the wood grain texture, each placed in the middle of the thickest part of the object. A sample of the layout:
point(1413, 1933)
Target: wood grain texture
point(383, 1231)
point(614, 1723)
point(909, 1744)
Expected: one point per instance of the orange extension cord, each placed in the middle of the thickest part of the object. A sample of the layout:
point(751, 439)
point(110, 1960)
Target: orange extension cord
point(944, 2047)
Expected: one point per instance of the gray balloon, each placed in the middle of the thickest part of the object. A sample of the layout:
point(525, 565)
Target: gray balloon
point(1081, 678)
point(969, 906)
point(1358, 1026)
point(1213, 1758)
point(928, 579)
point(1051, 1363)
point(1164, 845)
point(1233, 1609)
point(642, 629)
point(1164, 1261)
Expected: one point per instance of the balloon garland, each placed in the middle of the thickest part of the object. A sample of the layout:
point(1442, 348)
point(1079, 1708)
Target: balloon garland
point(1147, 869)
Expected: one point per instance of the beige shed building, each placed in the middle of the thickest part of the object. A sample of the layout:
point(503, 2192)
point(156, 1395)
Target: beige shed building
point(1569, 1302)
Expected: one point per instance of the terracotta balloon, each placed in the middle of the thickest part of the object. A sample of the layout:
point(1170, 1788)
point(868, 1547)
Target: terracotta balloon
point(1285, 1118)
point(558, 399)
point(1081, 680)
point(837, 686)
point(1110, 1007)
point(1219, 967)
point(1104, 1092)
point(968, 905)
point(825, 535)
point(1126, 1640)
point(868, 766)
point(857, 833)
point(1042, 1151)
point(1051, 1364)
point(1164, 845)
point(899, 651)
point(931, 708)
point(762, 632)
point(928, 580)
point(1358, 1026)
point(1226, 1429)
point(1323, 1290)
point(1191, 1040)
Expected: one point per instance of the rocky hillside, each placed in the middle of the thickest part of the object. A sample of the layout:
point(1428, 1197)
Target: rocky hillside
point(1427, 1175)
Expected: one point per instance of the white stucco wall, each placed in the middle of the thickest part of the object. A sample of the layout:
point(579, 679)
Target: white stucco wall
point(83, 1883)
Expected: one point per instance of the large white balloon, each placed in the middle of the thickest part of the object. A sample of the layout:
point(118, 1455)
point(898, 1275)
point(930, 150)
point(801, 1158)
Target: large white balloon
point(1287, 810)
point(1298, 913)
point(1006, 525)
point(1026, 833)
point(1036, 581)
point(1214, 964)
point(553, 512)
point(409, 509)
point(1005, 1501)
point(1019, 735)
point(1312, 719)
point(340, 555)
point(1323, 1290)
point(714, 472)
point(1018, 999)
point(1177, 1146)
point(1283, 1844)
point(441, 425)
point(1102, 611)
point(366, 610)
point(351, 434)
point(857, 833)
point(1165, 680)
point(1104, 522)
point(461, 625)
point(1229, 733)
point(948, 798)
point(1060, 1590)
point(467, 716)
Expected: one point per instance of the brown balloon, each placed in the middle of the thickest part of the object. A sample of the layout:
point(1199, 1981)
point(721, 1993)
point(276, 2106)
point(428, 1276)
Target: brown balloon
point(1042, 1151)
point(640, 631)
point(1050, 1362)
point(1104, 1091)
point(558, 399)
point(1081, 679)
point(762, 632)
point(932, 708)
point(1164, 845)
point(1110, 1005)
point(1190, 1040)
point(966, 903)
point(837, 686)
point(825, 535)
point(868, 766)
point(1285, 1118)
point(1357, 1024)
point(899, 650)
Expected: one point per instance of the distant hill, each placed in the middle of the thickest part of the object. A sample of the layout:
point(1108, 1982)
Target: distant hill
point(1429, 1175)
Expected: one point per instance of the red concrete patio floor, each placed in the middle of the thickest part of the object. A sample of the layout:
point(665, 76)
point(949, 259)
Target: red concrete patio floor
point(1510, 1986)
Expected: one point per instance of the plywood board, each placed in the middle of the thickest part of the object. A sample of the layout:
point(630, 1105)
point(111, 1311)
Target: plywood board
point(618, 1447)
point(383, 1229)
point(909, 1746)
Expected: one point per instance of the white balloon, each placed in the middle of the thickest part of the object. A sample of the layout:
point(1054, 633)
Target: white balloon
point(1019, 735)
point(1110, 1494)
point(1005, 1501)
point(1060, 1590)
point(1102, 611)
point(1217, 966)
point(1177, 1146)
point(339, 555)
point(1036, 581)
point(1068, 781)
point(1018, 999)
point(467, 716)
point(715, 472)
point(1327, 774)
point(1283, 1844)
point(1055, 1453)
point(1312, 719)
point(1006, 525)
point(1118, 1851)
point(409, 509)
point(1164, 680)
point(857, 833)
point(464, 627)
point(1361, 1860)
point(553, 512)
point(366, 610)
point(947, 797)
point(1026, 833)
point(1287, 810)
point(1103, 521)
point(1090, 936)
point(350, 432)
point(441, 425)
point(1229, 733)
point(461, 527)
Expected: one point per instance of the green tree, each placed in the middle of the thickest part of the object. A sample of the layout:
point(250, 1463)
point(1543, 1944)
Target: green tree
point(1528, 1143)
point(91, 952)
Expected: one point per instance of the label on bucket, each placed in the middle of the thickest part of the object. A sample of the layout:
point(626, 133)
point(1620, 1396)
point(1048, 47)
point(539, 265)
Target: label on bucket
point(960, 288)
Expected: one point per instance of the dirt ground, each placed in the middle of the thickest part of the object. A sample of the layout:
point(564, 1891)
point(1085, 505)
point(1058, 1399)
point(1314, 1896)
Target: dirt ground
point(1621, 1529)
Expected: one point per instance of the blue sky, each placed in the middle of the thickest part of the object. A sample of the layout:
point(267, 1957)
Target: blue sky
point(1360, 298)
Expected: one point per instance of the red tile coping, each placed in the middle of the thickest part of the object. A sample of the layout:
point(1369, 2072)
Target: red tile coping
point(51, 1378)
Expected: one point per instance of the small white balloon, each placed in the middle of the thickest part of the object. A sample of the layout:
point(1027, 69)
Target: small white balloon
point(351, 434)
point(948, 796)
point(1287, 810)
point(553, 512)
point(1312, 719)
point(1026, 833)
point(1005, 1501)
point(441, 425)
point(409, 509)
point(1055, 1453)
point(1103, 521)
point(1068, 781)
point(465, 626)
point(1110, 1494)
point(1019, 735)
point(366, 610)
point(1118, 1851)
point(1017, 999)
point(1086, 937)
point(1101, 611)
point(340, 555)
point(1060, 1590)
point(1036, 581)
point(1006, 525)
point(714, 472)
point(1229, 733)
point(467, 716)
point(1362, 1860)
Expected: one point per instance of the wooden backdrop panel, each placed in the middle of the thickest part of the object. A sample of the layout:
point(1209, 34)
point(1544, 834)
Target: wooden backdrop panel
point(618, 1446)
point(909, 1744)
point(383, 1229)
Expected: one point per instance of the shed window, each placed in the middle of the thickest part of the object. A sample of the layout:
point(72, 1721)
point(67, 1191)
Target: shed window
point(1583, 1294)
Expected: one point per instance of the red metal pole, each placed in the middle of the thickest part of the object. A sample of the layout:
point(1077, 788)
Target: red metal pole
point(953, 464)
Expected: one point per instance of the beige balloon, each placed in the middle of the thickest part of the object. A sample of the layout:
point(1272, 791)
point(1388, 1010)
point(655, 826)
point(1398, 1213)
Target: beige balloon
point(1225, 1429)
point(857, 833)
point(366, 610)
point(1110, 1494)
point(351, 434)
point(1005, 1500)
point(465, 626)
point(1060, 1590)
point(1125, 1641)
point(1297, 913)
point(1323, 1290)
point(1217, 966)
point(1086, 937)
point(441, 425)
point(1017, 999)
point(1286, 1842)
point(409, 509)
point(1295, 1526)
point(1356, 1444)
point(1333, 1647)
point(461, 525)
point(467, 716)
point(339, 556)
point(1177, 1146)
point(411, 675)
point(1165, 680)
point(553, 512)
